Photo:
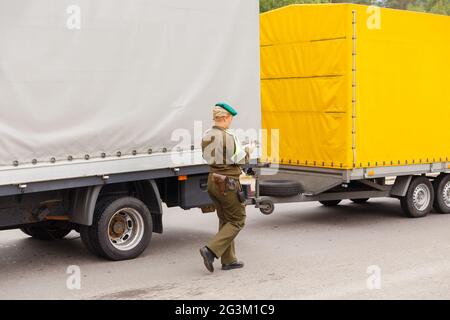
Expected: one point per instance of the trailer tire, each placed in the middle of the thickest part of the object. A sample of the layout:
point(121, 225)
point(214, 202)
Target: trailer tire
point(360, 201)
point(442, 194)
point(267, 207)
point(121, 229)
point(419, 198)
point(330, 203)
point(45, 232)
point(279, 188)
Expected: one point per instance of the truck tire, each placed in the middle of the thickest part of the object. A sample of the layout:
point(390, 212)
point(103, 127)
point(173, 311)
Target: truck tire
point(360, 201)
point(279, 188)
point(121, 229)
point(86, 239)
point(45, 232)
point(442, 194)
point(85, 233)
point(419, 198)
point(330, 203)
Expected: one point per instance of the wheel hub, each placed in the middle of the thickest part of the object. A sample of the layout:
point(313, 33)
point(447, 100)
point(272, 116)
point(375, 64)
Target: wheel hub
point(446, 194)
point(125, 229)
point(118, 228)
point(421, 197)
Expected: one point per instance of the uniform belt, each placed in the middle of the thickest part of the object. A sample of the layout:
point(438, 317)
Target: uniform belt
point(226, 183)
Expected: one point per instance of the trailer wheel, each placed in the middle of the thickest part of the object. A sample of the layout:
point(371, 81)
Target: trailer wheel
point(279, 188)
point(121, 229)
point(266, 207)
point(330, 203)
point(360, 201)
point(418, 201)
point(46, 232)
point(442, 194)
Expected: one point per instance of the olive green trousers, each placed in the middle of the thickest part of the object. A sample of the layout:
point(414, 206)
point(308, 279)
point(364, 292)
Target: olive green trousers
point(231, 214)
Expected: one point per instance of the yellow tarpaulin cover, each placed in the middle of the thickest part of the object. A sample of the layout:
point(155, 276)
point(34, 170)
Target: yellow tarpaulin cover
point(401, 81)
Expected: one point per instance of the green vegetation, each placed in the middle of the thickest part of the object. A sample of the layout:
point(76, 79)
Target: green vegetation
point(434, 6)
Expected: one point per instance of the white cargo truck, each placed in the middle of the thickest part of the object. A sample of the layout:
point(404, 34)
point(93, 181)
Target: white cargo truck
point(103, 104)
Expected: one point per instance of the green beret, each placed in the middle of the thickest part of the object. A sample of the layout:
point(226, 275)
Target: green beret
point(228, 108)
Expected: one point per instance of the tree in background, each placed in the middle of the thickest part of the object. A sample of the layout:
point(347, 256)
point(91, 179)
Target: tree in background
point(433, 6)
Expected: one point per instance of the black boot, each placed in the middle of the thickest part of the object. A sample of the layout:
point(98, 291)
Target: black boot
point(208, 258)
point(234, 265)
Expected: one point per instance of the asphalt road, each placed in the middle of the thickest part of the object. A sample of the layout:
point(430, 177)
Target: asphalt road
point(302, 251)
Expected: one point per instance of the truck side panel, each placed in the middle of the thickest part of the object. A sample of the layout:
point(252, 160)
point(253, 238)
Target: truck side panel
point(86, 84)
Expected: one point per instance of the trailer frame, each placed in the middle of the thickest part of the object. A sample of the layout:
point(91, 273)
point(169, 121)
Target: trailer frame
point(326, 184)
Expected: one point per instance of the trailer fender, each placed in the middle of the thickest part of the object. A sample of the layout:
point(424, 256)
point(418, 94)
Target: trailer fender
point(83, 204)
point(401, 185)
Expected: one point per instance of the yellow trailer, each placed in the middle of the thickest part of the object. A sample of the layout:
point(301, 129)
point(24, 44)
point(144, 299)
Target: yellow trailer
point(358, 94)
point(353, 86)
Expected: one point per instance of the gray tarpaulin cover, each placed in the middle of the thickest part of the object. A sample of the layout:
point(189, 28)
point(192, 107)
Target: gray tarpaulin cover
point(86, 77)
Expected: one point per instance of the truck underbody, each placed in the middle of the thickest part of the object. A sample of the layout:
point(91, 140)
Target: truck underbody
point(73, 204)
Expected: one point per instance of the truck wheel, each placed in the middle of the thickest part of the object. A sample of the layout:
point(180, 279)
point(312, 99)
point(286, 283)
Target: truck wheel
point(279, 188)
point(442, 192)
point(121, 229)
point(418, 201)
point(330, 203)
point(360, 201)
point(45, 232)
point(85, 232)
